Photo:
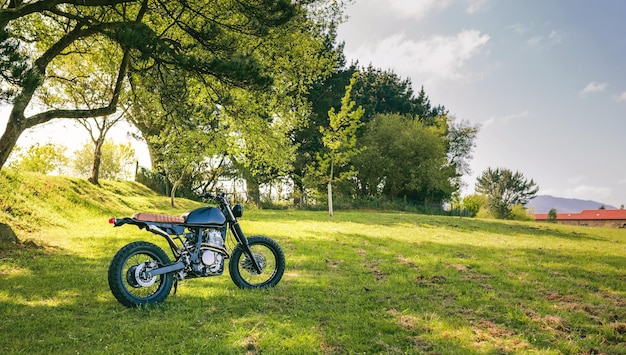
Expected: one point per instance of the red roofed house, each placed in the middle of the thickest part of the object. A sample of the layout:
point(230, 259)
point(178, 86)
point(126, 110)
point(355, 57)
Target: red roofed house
point(596, 218)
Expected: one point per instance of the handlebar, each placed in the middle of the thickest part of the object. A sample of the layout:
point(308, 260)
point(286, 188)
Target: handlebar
point(219, 196)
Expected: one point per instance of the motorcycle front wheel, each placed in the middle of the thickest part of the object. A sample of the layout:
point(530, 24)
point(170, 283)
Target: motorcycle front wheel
point(129, 282)
point(270, 257)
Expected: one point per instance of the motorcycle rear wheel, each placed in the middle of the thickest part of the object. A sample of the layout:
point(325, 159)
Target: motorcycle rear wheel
point(129, 285)
point(268, 253)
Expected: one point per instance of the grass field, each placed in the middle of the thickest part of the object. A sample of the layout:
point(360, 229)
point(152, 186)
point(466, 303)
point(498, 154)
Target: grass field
point(360, 282)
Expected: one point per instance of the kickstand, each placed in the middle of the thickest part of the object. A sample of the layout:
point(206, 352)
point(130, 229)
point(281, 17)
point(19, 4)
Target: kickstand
point(175, 285)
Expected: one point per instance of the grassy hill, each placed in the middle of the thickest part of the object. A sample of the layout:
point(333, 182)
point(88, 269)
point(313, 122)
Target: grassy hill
point(361, 282)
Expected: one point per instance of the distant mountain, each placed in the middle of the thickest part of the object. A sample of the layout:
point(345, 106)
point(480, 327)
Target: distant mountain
point(544, 203)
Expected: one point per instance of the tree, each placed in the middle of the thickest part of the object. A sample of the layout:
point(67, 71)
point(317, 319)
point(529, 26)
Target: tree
point(461, 142)
point(162, 96)
point(43, 159)
point(403, 158)
point(98, 128)
point(383, 94)
point(88, 84)
point(552, 215)
point(213, 40)
point(383, 91)
point(340, 139)
point(116, 160)
point(323, 95)
point(505, 189)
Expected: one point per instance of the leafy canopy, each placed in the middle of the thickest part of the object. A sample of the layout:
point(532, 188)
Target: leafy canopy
point(505, 189)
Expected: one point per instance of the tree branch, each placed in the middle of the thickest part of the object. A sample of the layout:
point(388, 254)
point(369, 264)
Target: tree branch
point(101, 111)
point(9, 14)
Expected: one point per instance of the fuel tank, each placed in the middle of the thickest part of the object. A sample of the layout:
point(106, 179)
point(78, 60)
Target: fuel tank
point(204, 216)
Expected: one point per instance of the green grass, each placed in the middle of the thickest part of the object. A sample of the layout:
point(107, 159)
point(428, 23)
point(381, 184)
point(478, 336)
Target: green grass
point(361, 282)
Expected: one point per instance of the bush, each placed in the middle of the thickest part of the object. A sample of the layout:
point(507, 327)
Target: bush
point(473, 203)
point(519, 213)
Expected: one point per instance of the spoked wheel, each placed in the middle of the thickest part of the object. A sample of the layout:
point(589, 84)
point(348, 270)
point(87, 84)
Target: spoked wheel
point(270, 257)
point(129, 279)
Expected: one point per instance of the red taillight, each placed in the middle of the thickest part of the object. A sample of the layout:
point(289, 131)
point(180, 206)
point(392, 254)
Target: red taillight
point(112, 220)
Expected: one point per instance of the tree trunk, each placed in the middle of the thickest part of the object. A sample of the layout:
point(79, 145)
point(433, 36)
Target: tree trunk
point(330, 189)
point(9, 138)
point(330, 199)
point(173, 194)
point(252, 187)
point(97, 160)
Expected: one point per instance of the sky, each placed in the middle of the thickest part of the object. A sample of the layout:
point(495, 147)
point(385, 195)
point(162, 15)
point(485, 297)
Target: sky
point(544, 79)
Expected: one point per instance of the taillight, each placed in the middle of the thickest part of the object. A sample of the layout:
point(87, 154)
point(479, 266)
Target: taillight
point(112, 220)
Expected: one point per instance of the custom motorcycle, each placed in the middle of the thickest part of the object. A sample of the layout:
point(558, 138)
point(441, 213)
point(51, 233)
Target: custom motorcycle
point(141, 273)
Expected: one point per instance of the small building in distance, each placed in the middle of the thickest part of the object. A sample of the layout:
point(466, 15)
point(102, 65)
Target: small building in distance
point(594, 218)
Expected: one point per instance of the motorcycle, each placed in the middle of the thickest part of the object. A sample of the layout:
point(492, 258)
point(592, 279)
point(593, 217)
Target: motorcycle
point(141, 273)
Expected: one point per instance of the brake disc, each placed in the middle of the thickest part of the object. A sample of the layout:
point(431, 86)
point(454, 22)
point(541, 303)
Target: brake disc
point(141, 276)
point(248, 265)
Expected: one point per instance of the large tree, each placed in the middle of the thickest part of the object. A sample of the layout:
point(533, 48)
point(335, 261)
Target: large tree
point(505, 189)
point(404, 158)
point(381, 92)
point(293, 57)
point(200, 37)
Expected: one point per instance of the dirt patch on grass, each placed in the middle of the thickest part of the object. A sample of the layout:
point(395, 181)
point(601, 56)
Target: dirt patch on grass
point(505, 340)
point(374, 269)
point(423, 281)
point(334, 264)
point(409, 322)
point(404, 261)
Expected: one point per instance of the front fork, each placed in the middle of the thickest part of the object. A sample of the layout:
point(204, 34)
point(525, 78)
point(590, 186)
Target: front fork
point(241, 238)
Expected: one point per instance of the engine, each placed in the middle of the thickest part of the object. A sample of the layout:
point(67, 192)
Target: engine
point(211, 251)
point(211, 254)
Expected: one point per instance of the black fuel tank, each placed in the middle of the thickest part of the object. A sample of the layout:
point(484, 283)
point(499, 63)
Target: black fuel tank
point(204, 216)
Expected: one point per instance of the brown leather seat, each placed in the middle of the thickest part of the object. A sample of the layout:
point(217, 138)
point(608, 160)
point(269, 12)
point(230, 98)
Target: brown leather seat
point(151, 217)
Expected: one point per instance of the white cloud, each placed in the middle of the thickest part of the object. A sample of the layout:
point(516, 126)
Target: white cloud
point(417, 8)
point(555, 37)
point(535, 41)
point(434, 57)
point(520, 28)
point(551, 39)
point(593, 87)
point(586, 192)
point(475, 5)
point(506, 119)
point(621, 97)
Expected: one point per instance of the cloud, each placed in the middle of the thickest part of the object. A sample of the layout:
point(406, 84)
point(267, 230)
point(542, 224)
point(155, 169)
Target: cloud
point(520, 28)
point(417, 8)
point(506, 119)
point(621, 97)
point(475, 5)
point(587, 192)
point(434, 57)
point(551, 39)
point(593, 87)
